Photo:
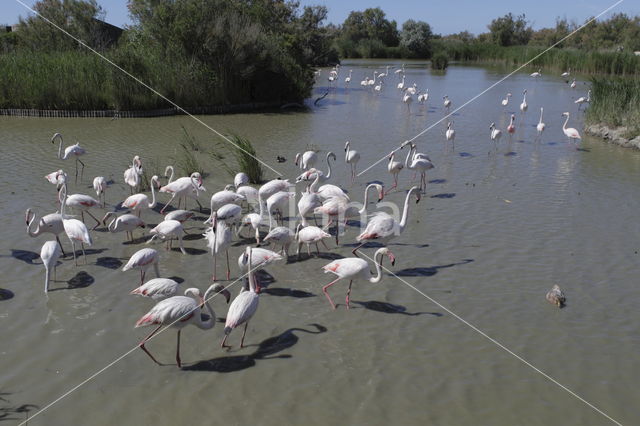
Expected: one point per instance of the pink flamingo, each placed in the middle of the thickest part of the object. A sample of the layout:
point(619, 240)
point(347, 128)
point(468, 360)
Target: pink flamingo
point(100, 186)
point(50, 223)
point(244, 306)
point(132, 174)
point(126, 222)
point(142, 260)
point(382, 227)
point(75, 230)
point(139, 202)
point(511, 128)
point(157, 289)
point(394, 167)
point(178, 312)
point(569, 132)
point(50, 253)
point(73, 150)
point(355, 269)
point(83, 203)
point(182, 187)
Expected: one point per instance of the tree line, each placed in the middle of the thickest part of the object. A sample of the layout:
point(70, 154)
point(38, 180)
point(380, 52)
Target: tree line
point(196, 53)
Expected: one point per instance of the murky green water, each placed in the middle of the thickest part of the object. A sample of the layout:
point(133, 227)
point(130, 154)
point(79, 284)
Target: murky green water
point(494, 232)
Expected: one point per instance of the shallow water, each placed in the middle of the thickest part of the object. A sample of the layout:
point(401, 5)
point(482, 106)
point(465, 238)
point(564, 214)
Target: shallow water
point(495, 230)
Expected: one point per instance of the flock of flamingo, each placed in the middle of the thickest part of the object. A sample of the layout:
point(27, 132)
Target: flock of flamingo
point(233, 209)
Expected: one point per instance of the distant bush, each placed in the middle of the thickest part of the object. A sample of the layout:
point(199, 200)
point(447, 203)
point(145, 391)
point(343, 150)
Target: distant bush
point(439, 61)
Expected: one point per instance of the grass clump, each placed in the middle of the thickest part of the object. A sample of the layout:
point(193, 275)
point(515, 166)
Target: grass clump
point(616, 103)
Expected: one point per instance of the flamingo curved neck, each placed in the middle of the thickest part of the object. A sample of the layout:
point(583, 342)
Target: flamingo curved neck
point(541, 111)
point(328, 166)
point(409, 157)
point(405, 211)
point(564, 126)
point(206, 325)
point(378, 262)
point(252, 278)
point(313, 188)
point(59, 136)
point(366, 198)
point(170, 176)
point(29, 231)
point(153, 193)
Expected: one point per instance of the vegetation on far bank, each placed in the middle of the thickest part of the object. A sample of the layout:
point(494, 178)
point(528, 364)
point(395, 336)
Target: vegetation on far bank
point(196, 53)
point(615, 102)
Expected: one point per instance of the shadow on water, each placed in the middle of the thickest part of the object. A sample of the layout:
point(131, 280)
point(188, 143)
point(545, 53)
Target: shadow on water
point(179, 280)
point(465, 154)
point(25, 255)
point(190, 251)
point(314, 255)
point(5, 294)
point(81, 280)
point(87, 251)
point(265, 350)
point(428, 271)
point(109, 262)
point(444, 195)
point(14, 413)
point(510, 154)
point(140, 240)
point(288, 292)
point(193, 236)
point(390, 308)
point(437, 181)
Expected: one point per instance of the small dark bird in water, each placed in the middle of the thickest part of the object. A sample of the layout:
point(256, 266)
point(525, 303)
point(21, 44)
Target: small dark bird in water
point(556, 297)
point(280, 159)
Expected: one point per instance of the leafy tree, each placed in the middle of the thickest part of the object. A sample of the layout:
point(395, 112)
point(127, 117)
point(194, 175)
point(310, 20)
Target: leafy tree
point(416, 36)
point(509, 30)
point(370, 24)
point(78, 17)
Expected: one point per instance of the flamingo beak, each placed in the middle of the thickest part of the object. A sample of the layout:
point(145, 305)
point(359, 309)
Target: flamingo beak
point(418, 198)
point(392, 257)
point(381, 194)
point(226, 294)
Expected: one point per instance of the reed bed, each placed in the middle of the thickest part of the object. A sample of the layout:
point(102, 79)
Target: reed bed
point(616, 103)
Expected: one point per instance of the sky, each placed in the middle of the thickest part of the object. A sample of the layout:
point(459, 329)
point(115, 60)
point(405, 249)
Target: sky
point(444, 16)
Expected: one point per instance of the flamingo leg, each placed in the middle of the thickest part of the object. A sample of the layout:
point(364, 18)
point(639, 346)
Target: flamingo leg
point(324, 290)
point(244, 333)
point(222, 345)
point(141, 277)
point(215, 261)
point(181, 245)
point(178, 350)
point(356, 249)
point(348, 294)
point(141, 344)
point(82, 170)
point(84, 255)
point(73, 247)
point(169, 203)
point(228, 268)
point(325, 245)
point(94, 218)
point(157, 270)
point(60, 244)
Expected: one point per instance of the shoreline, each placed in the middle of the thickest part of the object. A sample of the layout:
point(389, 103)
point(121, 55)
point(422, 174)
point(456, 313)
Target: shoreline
point(613, 135)
point(165, 112)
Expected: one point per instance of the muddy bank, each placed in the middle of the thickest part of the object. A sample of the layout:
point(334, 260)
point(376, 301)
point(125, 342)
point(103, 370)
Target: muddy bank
point(617, 135)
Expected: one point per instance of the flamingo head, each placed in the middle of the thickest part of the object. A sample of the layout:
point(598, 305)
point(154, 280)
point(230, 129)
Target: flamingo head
point(392, 257)
point(346, 146)
point(509, 95)
point(565, 114)
point(197, 177)
point(405, 143)
point(332, 155)
point(166, 171)
point(492, 126)
point(380, 189)
point(298, 155)
point(27, 216)
point(229, 187)
point(219, 288)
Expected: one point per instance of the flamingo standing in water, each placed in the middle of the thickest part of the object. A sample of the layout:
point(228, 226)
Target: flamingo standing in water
point(382, 227)
point(540, 126)
point(505, 101)
point(100, 186)
point(142, 260)
point(523, 105)
point(281, 235)
point(570, 132)
point(347, 79)
point(394, 167)
point(244, 306)
point(447, 102)
point(73, 150)
point(511, 128)
point(83, 203)
point(219, 239)
point(306, 160)
point(126, 222)
point(419, 164)
point(182, 187)
point(351, 157)
point(496, 133)
point(536, 74)
point(178, 312)
point(168, 229)
point(133, 173)
point(450, 134)
point(50, 253)
point(356, 269)
point(139, 202)
point(75, 230)
point(261, 257)
point(581, 100)
point(157, 289)
point(310, 235)
point(50, 223)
